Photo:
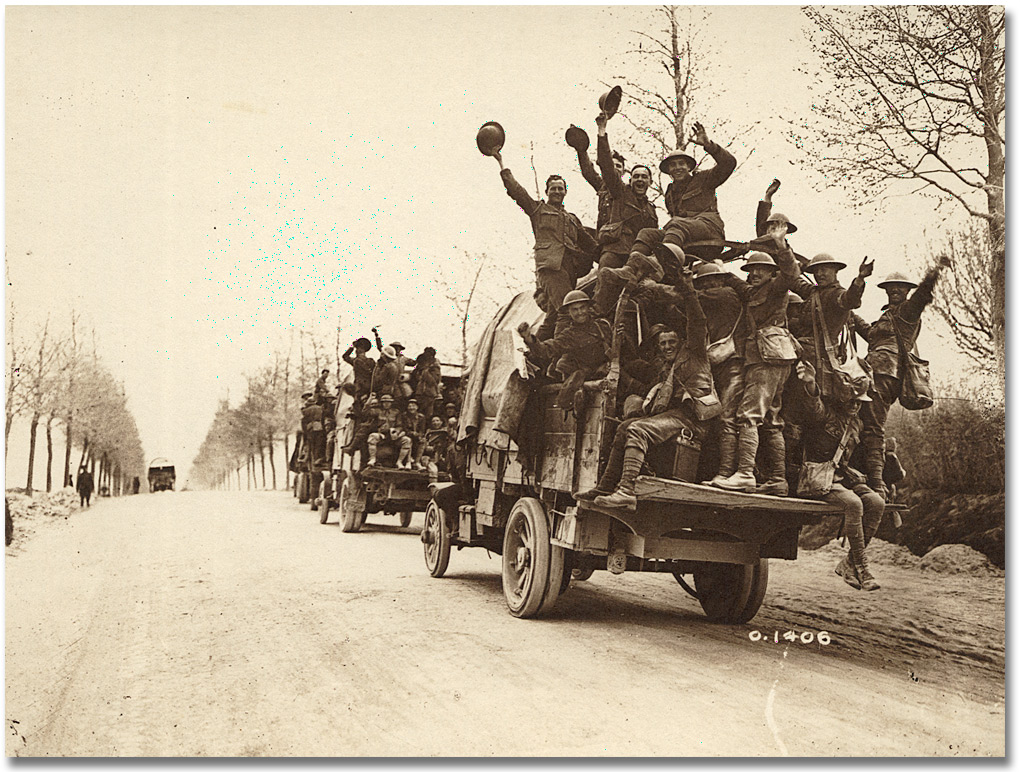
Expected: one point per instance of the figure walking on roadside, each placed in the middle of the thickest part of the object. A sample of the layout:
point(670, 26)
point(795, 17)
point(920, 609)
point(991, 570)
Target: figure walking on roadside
point(85, 486)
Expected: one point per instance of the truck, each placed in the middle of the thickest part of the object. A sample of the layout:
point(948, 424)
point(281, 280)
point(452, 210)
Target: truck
point(356, 490)
point(161, 475)
point(516, 498)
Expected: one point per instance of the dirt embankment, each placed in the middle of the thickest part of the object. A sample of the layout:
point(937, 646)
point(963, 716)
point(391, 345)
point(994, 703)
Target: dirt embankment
point(935, 520)
point(28, 513)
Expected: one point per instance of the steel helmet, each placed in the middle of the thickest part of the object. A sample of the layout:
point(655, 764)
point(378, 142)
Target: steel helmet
point(706, 269)
point(398, 346)
point(610, 101)
point(389, 351)
point(490, 138)
point(896, 278)
point(574, 296)
point(676, 154)
point(792, 298)
point(577, 138)
point(759, 258)
point(670, 252)
point(780, 217)
point(823, 258)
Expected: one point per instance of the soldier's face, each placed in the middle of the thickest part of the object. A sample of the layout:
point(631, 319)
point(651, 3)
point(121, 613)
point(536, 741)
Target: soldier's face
point(825, 275)
point(678, 169)
point(669, 345)
point(757, 275)
point(556, 191)
point(437, 422)
point(709, 282)
point(896, 294)
point(640, 180)
point(579, 312)
point(619, 166)
point(412, 408)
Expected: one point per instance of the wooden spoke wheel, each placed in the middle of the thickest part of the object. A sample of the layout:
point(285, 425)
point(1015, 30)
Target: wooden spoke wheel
point(435, 535)
point(731, 593)
point(532, 567)
point(352, 505)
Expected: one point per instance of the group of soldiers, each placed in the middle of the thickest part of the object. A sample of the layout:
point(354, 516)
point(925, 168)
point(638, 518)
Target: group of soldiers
point(767, 364)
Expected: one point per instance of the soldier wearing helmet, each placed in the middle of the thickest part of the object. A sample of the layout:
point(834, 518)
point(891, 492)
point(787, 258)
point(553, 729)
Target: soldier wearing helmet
point(902, 315)
point(579, 350)
point(389, 427)
point(386, 377)
point(769, 353)
point(564, 250)
point(357, 357)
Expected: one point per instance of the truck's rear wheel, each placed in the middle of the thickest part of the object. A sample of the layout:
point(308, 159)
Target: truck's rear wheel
point(324, 496)
point(532, 567)
point(303, 492)
point(352, 508)
point(435, 535)
point(730, 592)
point(405, 519)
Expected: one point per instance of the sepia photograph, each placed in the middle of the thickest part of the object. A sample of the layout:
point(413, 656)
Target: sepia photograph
point(505, 381)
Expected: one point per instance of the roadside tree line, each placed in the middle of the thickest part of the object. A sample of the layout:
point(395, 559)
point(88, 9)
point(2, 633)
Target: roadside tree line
point(56, 381)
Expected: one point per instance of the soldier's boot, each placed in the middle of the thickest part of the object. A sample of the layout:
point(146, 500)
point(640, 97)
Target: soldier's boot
point(775, 464)
point(727, 457)
point(624, 497)
point(405, 454)
point(859, 560)
point(747, 448)
point(373, 448)
point(638, 266)
point(610, 475)
point(868, 582)
point(846, 570)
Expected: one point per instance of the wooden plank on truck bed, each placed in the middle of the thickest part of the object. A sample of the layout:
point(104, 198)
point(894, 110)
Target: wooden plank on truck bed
point(674, 491)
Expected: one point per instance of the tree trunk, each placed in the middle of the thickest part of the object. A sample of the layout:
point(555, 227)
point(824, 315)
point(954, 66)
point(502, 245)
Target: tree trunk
point(286, 459)
point(84, 450)
point(67, 452)
point(272, 464)
point(262, 462)
point(31, 452)
point(49, 454)
point(7, 432)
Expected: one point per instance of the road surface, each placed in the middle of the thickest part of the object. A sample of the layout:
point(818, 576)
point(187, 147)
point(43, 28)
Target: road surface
point(234, 624)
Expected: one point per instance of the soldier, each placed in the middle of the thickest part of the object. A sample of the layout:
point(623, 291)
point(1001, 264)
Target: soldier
point(314, 431)
point(386, 376)
point(84, 486)
point(427, 381)
point(389, 426)
point(683, 401)
point(437, 444)
point(629, 210)
point(414, 425)
point(768, 356)
point(578, 139)
point(766, 221)
point(363, 366)
point(321, 390)
point(690, 197)
point(564, 250)
point(900, 322)
point(830, 433)
point(578, 350)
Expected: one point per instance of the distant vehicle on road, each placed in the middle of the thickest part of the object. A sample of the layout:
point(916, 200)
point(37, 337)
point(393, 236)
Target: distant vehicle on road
point(161, 475)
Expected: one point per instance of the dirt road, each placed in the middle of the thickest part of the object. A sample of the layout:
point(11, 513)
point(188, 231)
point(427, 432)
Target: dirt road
point(226, 624)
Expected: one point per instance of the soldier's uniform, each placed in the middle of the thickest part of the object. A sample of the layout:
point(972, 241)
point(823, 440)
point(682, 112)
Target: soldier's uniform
point(564, 250)
point(692, 204)
point(314, 431)
point(389, 427)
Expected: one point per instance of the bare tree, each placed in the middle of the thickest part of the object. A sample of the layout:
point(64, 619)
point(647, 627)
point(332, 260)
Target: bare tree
point(14, 404)
point(919, 98)
point(45, 354)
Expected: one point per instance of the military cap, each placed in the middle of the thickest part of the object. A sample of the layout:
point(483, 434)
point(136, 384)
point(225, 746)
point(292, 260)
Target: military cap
point(574, 296)
point(676, 154)
point(306, 395)
point(780, 217)
point(364, 343)
point(759, 258)
point(398, 346)
point(384, 397)
point(896, 278)
point(823, 258)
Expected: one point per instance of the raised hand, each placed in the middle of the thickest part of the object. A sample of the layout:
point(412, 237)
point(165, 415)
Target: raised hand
point(601, 121)
point(698, 135)
point(523, 328)
point(778, 230)
point(772, 189)
point(866, 268)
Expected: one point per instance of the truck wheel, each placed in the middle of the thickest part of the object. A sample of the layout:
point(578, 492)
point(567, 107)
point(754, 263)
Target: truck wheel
point(352, 508)
point(303, 492)
point(729, 592)
point(582, 574)
point(435, 535)
point(532, 567)
point(405, 519)
point(323, 503)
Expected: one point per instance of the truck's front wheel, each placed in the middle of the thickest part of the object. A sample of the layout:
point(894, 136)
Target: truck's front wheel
point(435, 535)
point(532, 567)
point(730, 592)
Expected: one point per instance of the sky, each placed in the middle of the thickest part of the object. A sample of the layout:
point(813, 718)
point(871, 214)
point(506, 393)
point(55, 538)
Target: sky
point(200, 182)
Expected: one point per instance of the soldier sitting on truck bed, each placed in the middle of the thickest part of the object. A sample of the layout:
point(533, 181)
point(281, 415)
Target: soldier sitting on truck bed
point(580, 350)
point(414, 426)
point(389, 427)
point(684, 399)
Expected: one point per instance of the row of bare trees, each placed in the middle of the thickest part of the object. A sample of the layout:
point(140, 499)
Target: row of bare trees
point(245, 437)
point(56, 380)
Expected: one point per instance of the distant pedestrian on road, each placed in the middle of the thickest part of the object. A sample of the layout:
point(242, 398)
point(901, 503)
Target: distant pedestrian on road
point(85, 486)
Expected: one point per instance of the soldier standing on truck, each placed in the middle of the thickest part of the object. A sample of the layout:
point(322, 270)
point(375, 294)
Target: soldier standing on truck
point(900, 322)
point(564, 250)
point(427, 382)
point(629, 210)
point(313, 429)
point(683, 401)
point(363, 366)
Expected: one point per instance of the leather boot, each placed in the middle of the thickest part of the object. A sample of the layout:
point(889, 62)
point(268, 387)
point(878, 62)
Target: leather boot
point(846, 570)
point(775, 464)
point(623, 497)
point(868, 581)
point(859, 559)
point(747, 448)
point(727, 457)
